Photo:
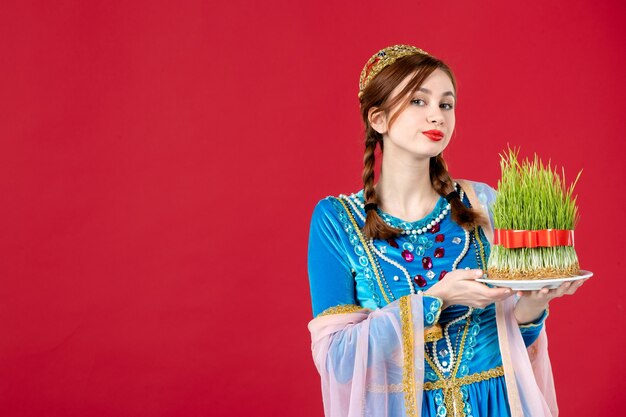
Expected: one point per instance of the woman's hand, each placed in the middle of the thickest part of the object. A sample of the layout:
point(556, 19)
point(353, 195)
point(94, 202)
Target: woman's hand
point(531, 304)
point(460, 287)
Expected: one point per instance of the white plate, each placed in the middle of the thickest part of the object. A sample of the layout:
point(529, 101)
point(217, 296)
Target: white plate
point(534, 284)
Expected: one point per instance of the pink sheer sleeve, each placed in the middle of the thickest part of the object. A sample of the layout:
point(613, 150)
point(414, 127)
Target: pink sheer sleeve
point(381, 351)
point(527, 371)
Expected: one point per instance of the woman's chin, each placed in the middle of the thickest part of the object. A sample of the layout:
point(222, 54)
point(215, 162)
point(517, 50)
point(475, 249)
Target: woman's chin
point(432, 147)
point(417, 150)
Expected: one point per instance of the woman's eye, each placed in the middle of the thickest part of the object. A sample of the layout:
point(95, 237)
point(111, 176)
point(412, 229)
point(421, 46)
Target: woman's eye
point(421, 102)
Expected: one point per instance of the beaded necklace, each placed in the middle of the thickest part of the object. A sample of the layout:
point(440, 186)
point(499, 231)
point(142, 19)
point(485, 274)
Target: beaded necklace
point(407, 229)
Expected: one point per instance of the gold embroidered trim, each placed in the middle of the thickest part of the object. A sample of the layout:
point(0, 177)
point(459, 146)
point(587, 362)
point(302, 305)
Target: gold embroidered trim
point(357, 229)
point(429, 386)
point(408, 371)
point(469, 379)
point(531, 325)
point(451, 389)
point(340, 309)
point(433, 333)
point(479, 240)
point(383, 389)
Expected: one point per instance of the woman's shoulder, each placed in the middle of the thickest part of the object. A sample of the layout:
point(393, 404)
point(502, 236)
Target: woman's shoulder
point(482, 189)
point(325, 207)
point(334, 207)
point(340, 201)
point(477, 185)
point(484, 192)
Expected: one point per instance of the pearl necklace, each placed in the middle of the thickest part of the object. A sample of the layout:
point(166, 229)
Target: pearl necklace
point(354, 201)
point(439, 218)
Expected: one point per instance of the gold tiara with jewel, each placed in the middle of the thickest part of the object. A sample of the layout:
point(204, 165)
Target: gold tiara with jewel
point(384, 58)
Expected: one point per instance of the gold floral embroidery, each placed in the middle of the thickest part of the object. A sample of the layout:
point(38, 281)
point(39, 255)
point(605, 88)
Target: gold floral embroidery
point(340, 309)
point(451, 389)
point(383, 389)
point(408, 375)
point(469, 379)
point(433, 333)
point(531, 325)
point(441, 384)
point(482, 248)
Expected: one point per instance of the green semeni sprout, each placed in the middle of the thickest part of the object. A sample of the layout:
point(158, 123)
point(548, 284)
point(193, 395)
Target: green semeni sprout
point(533, 196)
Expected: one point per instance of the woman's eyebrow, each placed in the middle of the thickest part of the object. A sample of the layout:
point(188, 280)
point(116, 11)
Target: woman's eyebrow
point(447, 93)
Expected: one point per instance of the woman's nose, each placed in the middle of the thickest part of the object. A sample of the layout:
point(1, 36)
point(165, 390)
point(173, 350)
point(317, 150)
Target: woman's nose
point(435, 116)
point(437, 119)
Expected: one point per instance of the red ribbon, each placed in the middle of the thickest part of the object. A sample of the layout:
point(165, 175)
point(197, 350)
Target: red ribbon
point(533, 238)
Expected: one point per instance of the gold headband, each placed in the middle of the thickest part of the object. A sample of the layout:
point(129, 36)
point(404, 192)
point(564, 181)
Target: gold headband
point(384, 58)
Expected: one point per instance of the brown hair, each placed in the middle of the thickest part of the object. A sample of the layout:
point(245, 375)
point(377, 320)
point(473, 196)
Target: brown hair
point(376, 94)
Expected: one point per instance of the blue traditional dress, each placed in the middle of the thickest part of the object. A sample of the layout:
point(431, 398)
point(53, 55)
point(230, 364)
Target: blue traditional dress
point(345, 269)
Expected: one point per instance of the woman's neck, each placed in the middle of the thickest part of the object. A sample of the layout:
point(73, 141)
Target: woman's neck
point(404, 188)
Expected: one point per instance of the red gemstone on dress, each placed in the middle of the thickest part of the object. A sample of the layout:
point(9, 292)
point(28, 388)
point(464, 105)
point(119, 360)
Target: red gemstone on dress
point(439, 252)
point(443, 274)
point(427, 263)
point(440, 238)
point(435, 228)
point(420, 280)
point(392, 242)
point(407, 255)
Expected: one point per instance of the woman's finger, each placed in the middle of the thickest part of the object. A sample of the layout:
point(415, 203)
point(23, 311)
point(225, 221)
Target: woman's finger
point(576, 285)
point(470, 274)
point(534, 294)
point(496, 293)
point(562, 289)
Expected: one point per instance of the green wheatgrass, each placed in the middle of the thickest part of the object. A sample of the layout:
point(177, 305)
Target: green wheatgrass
point(532, 196)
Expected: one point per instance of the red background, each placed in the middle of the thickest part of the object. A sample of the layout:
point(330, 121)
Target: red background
point(160, 162)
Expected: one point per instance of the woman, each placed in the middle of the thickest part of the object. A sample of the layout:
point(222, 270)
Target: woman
point(401, 327)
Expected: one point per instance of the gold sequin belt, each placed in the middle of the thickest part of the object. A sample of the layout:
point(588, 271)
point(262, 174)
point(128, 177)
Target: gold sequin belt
point(468, 379)
point(443, 383)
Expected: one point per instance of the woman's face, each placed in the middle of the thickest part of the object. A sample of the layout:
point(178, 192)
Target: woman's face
point(431, 110)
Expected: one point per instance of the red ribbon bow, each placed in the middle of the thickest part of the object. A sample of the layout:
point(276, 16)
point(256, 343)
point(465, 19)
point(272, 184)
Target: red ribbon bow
point(533, 238)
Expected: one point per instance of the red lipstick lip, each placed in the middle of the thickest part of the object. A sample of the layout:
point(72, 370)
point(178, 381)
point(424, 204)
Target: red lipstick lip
point(435, 135)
